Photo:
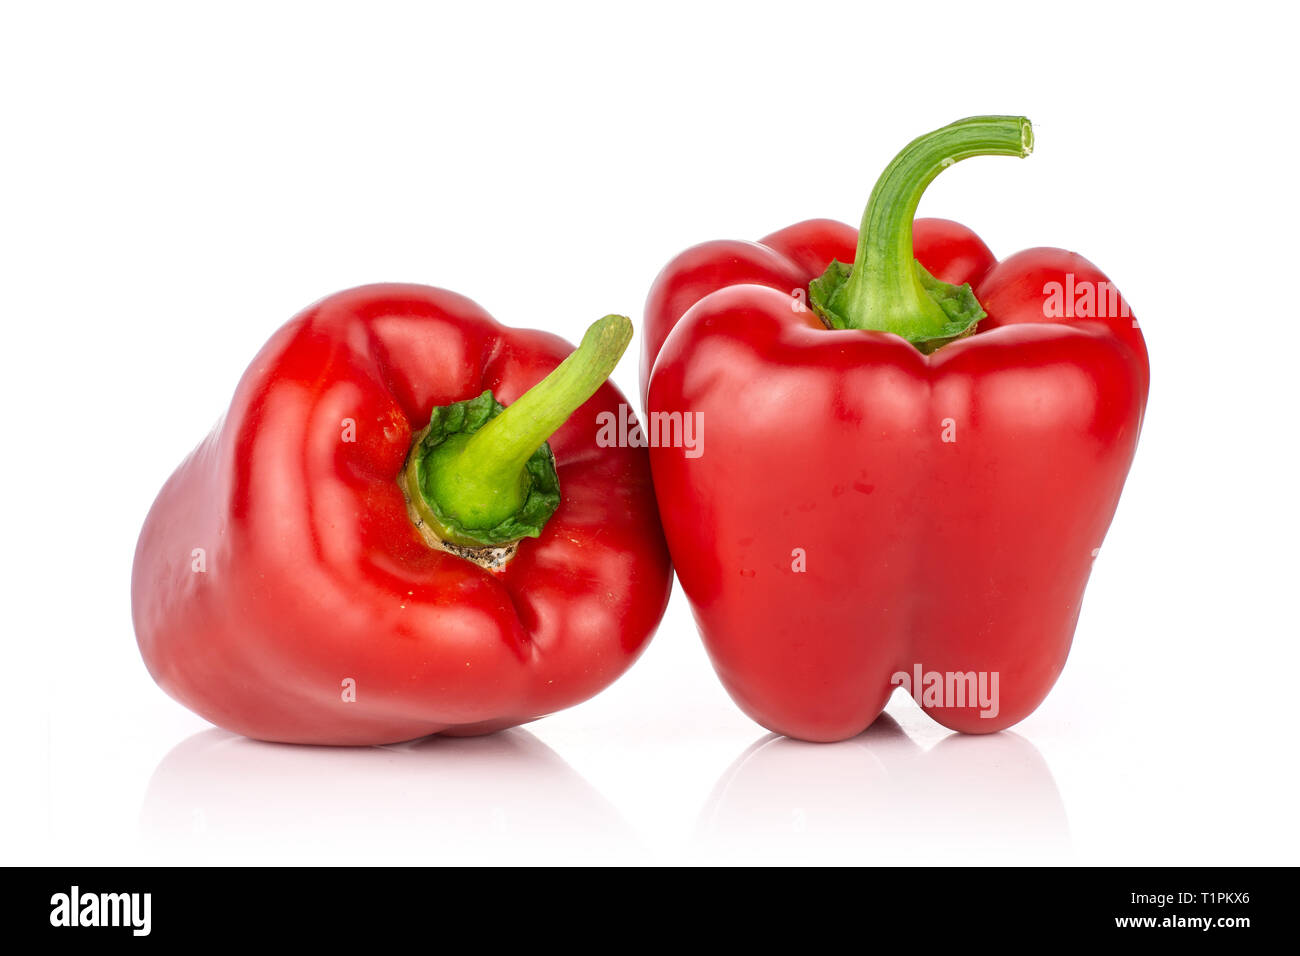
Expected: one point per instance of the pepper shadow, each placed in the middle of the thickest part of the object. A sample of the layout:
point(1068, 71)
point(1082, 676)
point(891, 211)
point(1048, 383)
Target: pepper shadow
point(881, 797)
point(220, 798)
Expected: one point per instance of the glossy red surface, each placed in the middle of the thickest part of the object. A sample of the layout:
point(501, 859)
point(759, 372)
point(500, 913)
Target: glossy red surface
point(947, 507)
point(314, 575)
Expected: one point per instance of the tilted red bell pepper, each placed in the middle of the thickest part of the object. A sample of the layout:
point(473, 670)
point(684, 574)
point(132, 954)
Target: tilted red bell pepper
point(368, 550)
point(908, 469)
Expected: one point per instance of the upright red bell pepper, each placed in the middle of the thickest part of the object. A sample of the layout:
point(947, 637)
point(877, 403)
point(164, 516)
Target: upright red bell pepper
point(910, 461)
point(327, 568)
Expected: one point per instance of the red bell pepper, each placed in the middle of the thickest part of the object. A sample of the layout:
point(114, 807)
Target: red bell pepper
point(326, 568)
point(911, 461)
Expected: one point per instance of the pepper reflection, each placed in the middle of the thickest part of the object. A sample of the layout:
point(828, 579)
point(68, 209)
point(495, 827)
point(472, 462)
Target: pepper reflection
point(881, 797)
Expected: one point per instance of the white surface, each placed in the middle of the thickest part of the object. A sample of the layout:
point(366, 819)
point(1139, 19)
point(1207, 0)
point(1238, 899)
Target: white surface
point(176, 182)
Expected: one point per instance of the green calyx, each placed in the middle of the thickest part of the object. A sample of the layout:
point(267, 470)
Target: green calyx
point(481, 475)
point(886, 289)
point(532, 500)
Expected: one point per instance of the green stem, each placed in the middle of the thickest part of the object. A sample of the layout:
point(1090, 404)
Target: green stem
point(886, 289)
point(478, 475)
point(495, 455)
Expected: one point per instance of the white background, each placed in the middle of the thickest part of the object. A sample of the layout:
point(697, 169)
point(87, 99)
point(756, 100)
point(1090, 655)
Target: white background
point(178, 180)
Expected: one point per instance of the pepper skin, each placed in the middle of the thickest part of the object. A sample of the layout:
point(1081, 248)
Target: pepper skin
point(871, 504)
point(282, 591)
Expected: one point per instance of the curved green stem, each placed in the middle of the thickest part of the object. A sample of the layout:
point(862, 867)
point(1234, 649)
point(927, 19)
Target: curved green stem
point(495, 454)
point(481, 475)
point(886, 289)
